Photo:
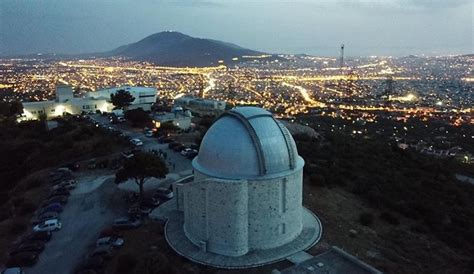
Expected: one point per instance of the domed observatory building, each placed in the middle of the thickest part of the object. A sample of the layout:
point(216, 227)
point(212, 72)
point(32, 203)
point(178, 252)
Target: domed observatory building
point(244, 206)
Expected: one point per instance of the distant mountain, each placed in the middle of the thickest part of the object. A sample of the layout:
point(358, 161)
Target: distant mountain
point(177, 49)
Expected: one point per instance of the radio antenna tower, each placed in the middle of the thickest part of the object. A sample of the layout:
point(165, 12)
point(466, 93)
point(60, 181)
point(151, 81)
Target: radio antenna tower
point(342, 57)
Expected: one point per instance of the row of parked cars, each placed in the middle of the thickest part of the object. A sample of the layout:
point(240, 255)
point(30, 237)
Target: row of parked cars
point(102, 250)
point(44, 222)
point(189, 152)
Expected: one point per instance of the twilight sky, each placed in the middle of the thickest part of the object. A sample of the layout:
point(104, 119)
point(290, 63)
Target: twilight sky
point(318, 27)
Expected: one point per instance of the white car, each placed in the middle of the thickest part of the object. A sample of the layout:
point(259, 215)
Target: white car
point(136, 142)
point(149, 133)
point(49, 225)
point(113, 241)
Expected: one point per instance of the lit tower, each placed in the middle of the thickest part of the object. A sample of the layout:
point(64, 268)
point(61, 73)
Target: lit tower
point(342, 58)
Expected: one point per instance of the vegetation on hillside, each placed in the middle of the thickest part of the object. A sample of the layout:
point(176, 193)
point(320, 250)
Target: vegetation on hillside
point(419, 187)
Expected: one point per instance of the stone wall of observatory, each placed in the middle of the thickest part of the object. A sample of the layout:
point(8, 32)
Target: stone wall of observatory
point(274, 207)
point(216, 214)
point(275, 210)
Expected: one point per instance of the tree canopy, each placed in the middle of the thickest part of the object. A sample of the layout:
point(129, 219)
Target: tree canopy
point(121, 98)
point(141, 167)
point(138, 117)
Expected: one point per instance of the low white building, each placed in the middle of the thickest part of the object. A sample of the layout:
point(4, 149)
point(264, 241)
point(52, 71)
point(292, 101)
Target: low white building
point(145, 97)
point(65, 102)
point(179, 119)
point(201, 106)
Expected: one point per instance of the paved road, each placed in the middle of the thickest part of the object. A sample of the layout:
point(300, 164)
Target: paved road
point(180, 163)
point(93, 205)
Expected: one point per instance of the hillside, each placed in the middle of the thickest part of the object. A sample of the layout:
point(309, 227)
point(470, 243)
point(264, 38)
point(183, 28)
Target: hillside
point(177, 49)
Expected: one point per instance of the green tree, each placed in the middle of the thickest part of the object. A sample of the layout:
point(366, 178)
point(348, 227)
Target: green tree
point(140, 168)
point(16, 108)
point(138, 117)
point(121, 98)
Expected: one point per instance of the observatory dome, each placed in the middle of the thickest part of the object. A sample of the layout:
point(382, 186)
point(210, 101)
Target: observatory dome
point(244, 143)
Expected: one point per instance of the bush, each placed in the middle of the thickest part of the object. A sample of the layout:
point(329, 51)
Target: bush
point(26, 208)
point(389, 218)
point(317, 180)
point(125, 264)
point(366, 218)
point(17, 227)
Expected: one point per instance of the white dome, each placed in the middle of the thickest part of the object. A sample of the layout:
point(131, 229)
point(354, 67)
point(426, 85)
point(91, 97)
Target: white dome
point(247, 142)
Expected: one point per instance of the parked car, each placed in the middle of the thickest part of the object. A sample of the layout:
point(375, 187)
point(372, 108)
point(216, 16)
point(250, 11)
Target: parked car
point(68, 185)
point(36, 246)
point(92, 164)
point(44, 210)
point(105, 252)
point(127, 154)
point(13, 270)
point(127, 223)
point(192, 154)
point(173, 144)
point(136, 142)
point(139, 211)
point(49, 225)
point(44, 236)
point(185, 151)
point(56, 207)
point(163, 192)
point(179, 148)
point(23, 259)
point(110, 241)
point(110, 232)
point(44, 217)
point(148, 133)
point(58, 199)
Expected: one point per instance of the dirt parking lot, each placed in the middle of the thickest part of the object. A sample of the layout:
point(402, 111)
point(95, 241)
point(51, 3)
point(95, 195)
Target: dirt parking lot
point(95, 203)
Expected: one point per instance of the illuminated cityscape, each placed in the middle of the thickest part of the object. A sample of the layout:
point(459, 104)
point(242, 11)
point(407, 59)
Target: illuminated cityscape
point(420, 86)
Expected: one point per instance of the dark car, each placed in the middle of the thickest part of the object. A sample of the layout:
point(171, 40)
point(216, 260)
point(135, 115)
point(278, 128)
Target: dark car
point(36, 246)
point(44, 236)
point(45, 210)
point(23, 259)
point(173, 144)
point(127, 223)
point(191, 155)
point(58, 199)
point(110, 232)
point(43, 217)
point(105, 252)
point(57, 207)
point(179, 147)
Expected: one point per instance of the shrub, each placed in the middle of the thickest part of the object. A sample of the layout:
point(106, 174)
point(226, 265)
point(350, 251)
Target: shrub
point(17, 227)
point(317, 180)
point(366, 218)
point(389, 218)
point(26, 208)
point(125, 264)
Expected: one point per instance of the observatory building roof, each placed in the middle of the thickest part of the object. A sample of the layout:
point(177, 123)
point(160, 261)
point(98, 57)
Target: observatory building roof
point(247, 142)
